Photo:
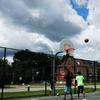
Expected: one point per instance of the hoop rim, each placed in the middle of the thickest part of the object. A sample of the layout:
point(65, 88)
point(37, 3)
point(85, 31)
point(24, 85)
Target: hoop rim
point(70, 49)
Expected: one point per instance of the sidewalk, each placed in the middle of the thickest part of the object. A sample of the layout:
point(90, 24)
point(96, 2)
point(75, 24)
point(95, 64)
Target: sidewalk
point(35, 88)
point(61, 97)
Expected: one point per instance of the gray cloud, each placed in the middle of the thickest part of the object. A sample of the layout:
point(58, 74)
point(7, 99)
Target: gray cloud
point(54, 20)
point(51, 22)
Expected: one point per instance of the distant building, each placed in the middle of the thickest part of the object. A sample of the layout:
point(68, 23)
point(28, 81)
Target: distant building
point(90, 69)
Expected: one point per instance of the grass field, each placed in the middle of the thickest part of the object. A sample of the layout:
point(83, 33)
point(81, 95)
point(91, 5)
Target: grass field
point(39, 93)
point(9, 95)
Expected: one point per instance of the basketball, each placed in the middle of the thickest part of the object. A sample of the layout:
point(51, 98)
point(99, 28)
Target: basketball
point(86, 40)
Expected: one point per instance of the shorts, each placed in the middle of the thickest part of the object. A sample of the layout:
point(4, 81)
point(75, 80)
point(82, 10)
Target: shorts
point(67, 89)
point(80, 89)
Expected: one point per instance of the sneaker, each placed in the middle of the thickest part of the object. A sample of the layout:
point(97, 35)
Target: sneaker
point(64, 99)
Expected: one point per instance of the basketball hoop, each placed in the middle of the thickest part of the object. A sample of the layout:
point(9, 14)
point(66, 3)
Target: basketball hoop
point(67, 47)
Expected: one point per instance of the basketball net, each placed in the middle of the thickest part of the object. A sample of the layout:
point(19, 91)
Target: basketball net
point(68, 49)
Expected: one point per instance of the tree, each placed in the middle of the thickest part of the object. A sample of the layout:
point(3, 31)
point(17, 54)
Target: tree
point(5, 73)
point(31, 66)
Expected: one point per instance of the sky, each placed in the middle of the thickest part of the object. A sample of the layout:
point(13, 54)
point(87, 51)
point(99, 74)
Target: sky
point(42, 25)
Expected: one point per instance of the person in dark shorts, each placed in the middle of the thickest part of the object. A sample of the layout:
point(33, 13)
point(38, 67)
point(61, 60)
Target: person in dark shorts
point(80, 84)
point(67, 88)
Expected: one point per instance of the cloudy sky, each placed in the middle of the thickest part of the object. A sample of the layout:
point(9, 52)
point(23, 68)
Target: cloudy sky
point(41, 25)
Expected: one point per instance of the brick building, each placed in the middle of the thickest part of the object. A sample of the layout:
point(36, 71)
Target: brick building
point(90, 69)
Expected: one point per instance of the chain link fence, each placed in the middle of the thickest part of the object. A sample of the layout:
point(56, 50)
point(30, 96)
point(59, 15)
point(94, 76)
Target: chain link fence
point(24, 70)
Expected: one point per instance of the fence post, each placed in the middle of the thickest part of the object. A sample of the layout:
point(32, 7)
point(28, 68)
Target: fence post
point(94, 75)
point(75, 75)
point(3, 72)
point(54, 61)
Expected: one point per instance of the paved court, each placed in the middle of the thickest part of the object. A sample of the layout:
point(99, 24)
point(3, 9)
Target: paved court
point(89, 96)
point(93, 96)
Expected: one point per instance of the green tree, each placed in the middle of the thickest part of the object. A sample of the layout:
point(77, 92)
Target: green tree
point(5, 72)
point(27, 64)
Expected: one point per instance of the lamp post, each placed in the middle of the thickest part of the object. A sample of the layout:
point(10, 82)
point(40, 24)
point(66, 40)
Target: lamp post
point(54, 59)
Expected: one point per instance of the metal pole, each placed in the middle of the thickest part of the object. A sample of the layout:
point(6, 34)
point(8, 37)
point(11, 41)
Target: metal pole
point(3, 70)
point(45, 87)
point(54, 76)
point(11, 48)
point(94, 76)
point(75, 76)
point(54, 59)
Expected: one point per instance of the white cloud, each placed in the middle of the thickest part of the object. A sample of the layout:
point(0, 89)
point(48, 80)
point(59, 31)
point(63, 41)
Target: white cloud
point(35, 13)
point(16, 37)
point(92, 48)
point(20, 23)
point(52, 18)
point(94, 13)
point(81, 2)
point(40, 26)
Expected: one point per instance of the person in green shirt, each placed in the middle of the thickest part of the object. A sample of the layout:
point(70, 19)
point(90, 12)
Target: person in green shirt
point(80, 83)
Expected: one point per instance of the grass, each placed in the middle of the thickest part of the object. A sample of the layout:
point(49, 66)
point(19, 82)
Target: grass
point(39, 93)
point(12, 95)
point(92, 83)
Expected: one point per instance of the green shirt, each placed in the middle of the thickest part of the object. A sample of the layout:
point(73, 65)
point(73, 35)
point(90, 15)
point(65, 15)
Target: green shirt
point(79, 80)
